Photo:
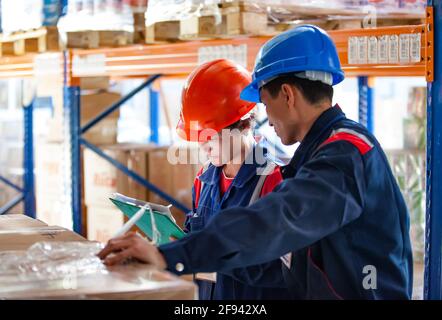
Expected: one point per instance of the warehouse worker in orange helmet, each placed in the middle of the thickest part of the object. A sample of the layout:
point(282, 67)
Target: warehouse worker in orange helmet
point(213, 114)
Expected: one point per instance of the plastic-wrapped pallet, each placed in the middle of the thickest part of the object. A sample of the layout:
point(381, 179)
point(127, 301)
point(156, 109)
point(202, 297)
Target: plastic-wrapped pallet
point(71, 270)
point(95, 23)
point(175, 19)
point(22, 15)
point(85, 15)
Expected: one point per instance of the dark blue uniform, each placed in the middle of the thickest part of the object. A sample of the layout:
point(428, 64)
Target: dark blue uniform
point(263, 281)
point(337, 218)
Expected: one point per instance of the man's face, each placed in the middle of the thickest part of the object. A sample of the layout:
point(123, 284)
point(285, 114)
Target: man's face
point(280, 117)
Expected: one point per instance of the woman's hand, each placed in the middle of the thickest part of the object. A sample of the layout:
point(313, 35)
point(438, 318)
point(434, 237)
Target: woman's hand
point(131, 245)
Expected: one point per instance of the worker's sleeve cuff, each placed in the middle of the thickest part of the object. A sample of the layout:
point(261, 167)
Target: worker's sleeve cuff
point(176, 258)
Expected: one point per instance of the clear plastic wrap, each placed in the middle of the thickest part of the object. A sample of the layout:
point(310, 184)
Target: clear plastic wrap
point(99, 15)
point(170, 10)
point(282, 11)
point(51, 260)
point(23, 15)
point(19, 15)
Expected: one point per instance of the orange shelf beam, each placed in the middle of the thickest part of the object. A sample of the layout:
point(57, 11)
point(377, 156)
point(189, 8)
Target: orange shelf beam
point(178, 59)
point(182, 58)
point(17, 66)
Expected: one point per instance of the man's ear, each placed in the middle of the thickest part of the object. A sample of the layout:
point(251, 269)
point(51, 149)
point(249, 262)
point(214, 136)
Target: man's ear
point(288, 93)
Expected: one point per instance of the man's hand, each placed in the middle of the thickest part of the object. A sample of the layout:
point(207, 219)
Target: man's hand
point(131, 245)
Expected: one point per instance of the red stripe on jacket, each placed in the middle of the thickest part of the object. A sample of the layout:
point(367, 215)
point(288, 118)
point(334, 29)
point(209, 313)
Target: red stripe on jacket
point(270, 183)
point(359, 143)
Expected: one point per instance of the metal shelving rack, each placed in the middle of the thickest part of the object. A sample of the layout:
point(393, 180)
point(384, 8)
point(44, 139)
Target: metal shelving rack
point(22, 67)
point(142, 61)
point(27, 192)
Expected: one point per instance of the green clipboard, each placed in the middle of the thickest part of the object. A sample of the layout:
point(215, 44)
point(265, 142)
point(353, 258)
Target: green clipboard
point(164, 220)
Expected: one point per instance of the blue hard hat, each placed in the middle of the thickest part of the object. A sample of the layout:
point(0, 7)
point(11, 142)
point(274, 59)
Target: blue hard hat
point(304, 48)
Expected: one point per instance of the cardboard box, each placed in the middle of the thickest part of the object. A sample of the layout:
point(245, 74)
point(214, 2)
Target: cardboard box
point(102, 179)
point(51, 189)
point(176, 178)
point(103, 222)
point(19, 221)
point(23, 239)
point(82, 39)
point(136, 161)
point(134, 281)
point(49, 169)
point(163, 31)
point(240, 22)
point(54, 211)
point(103, 133)
point(92, 105)
point(94, 83)
point(159, 173)
point(200, 27)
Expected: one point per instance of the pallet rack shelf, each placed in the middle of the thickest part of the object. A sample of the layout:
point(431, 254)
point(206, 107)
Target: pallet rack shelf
point(178, 59)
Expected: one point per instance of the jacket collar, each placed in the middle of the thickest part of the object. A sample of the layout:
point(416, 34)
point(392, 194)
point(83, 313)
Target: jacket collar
point(254, 160)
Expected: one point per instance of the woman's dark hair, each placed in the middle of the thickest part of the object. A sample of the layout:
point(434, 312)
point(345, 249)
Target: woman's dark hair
point(243, 124)
point(313, 91)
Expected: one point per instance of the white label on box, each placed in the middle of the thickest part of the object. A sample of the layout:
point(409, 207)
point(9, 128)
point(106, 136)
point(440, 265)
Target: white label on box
point(383, 49)
point(92, 64)
point(362, 49)
point(237, 54)
point(393, 49)
point(352, 50)
point(372, 50)
point(415, 47)
point(404, 48)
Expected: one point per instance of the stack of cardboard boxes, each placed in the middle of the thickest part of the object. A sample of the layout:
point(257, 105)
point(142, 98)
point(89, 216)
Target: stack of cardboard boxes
point(50, 152)
point(19, 232)
point(50, 184)
point(101, 180)
point(226, 19)
point(134, 281)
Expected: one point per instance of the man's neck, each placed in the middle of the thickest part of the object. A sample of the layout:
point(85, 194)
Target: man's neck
point(310, 121)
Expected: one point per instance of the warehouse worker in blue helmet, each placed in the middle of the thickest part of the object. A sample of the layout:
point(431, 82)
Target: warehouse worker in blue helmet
point(339, 222)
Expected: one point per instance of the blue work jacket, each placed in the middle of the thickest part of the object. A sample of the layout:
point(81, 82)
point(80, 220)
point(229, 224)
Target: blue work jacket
point(338, 221)
point(264, 281)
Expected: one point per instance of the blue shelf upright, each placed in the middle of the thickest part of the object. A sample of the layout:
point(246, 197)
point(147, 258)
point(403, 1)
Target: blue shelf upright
point(27, 192)
point(433, 232)
point(72, 111)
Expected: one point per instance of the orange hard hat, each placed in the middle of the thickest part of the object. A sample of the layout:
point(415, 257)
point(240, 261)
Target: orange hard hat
point(210, 99)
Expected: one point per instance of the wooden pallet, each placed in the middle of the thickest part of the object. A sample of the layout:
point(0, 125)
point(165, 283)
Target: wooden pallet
point(34, 41)
point(237, 18)
point(92, 39)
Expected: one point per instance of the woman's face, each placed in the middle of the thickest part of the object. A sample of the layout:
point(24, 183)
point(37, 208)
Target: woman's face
point(224, 147)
